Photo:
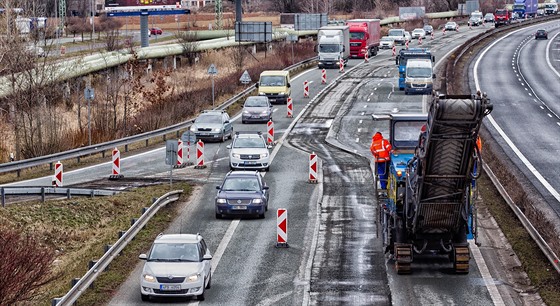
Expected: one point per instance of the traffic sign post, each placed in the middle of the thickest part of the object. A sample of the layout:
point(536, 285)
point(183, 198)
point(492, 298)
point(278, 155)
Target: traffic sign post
point(171, 147)
point(245, 78)
point(89, 94)
point(212, 70)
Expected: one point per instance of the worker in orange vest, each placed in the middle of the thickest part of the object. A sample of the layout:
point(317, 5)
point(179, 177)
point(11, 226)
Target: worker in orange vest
point(381, 150)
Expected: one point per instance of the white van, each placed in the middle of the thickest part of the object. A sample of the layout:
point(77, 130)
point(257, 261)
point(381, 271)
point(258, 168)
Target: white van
point(419, 76)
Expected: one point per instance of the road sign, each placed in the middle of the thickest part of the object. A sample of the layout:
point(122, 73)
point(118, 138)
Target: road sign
point(171, 147)
point(292, 38)
point(188, 137)
point(245, 78)
point(89, 93)
point(212, 70)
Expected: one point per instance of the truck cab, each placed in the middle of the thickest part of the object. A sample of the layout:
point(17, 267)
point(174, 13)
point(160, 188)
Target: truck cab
point(405, 55)
point(419, 76)
point(334, 45)
point(501, 17)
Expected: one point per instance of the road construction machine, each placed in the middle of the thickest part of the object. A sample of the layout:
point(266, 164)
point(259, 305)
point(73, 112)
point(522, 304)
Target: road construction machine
point(428, 206)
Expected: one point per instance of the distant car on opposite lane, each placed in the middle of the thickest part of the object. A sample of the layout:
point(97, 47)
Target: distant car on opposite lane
point(242, 193)
point(156, 31)
point(256, 109)
point(386, 42)
point(541, 33)
point(418, 33)
point(428, 29)
point(407, 35)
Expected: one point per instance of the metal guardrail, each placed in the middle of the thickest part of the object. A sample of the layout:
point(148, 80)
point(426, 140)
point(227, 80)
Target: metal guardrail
point(109, 145)
point(43, 191)
point(85, 282)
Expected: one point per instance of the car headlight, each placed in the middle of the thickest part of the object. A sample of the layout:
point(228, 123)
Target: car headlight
point(264, 155)
point(193, 128)
point(261, 93)
point(216, 129)
point(281, 93)
point(246, 112)
point(257, 201)
point(149, 278)
point(236, 155)
point(221, 201)
point(264, 113)
point(193, 278)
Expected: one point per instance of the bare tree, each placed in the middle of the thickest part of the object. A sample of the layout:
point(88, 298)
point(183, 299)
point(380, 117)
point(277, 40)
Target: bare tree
point(189, 43)
point(25, 266)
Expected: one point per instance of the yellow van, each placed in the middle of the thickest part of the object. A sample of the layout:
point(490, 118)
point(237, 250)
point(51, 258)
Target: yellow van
point(275, 85)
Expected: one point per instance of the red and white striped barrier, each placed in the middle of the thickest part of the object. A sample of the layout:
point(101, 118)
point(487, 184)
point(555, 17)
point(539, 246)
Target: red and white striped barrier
point(457, 29)
point(394, 50)
point(313, 168)
point(270, 132)
point(57, 178)
point(282, 227)
point(116, 165)
point(419, 41)
point(290, 108)
point(341, 65)
point(200, 155)
point(305, 89)
point(180, 149)
point(470, 27)
point(323, 76)
point(188, 162)
point(406, 44)
point(443, 31)
point(432, 35)
point(366, 55)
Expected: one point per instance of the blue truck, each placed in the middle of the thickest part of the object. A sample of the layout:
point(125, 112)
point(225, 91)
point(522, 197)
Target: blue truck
point(406, 54)
point(525, 8)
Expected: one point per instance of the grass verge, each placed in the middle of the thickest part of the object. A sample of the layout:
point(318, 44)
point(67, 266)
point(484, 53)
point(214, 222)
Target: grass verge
point(79, 228)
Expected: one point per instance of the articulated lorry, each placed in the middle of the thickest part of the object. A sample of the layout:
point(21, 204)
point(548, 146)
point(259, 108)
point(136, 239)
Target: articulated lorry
point(525, 8)
point(334, 45)
point(428, 206)
point(364, 36)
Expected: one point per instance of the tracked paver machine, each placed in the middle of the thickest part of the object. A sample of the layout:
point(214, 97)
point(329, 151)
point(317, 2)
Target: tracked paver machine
point(428, 207)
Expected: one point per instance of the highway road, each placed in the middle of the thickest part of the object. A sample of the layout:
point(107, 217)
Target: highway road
point(526, 116)
point(335, 256)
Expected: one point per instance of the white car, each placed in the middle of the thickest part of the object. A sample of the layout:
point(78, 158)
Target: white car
point(407, 36)
point(178, 265)
point(418, 33)
point(451, 26)
point(386, 42)
point(249, 150)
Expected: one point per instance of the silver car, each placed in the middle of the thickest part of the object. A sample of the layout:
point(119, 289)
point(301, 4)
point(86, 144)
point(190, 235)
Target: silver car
point(249, 151)
point(386, 42)
point(256, 109)
point(178, 265)
point(213, 125)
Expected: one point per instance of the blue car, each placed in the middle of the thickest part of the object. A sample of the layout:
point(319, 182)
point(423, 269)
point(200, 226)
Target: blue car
point(242, 193)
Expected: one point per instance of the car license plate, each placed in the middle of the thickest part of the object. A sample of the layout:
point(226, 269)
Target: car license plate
point(169, 287)
point(204, 134)
point(271, 100)
point(255, 116)
point(239, 207)
point(249, 162)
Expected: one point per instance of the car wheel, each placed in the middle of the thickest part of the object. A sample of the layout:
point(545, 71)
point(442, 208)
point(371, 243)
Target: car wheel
point(243, 121)
point(218, 216)
point(201, 297)
point(209, 281)
point(261, 216)
point(144, 297)
point(224, 137)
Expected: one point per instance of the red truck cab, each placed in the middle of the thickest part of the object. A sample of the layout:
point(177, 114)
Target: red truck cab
point(364, 36)
point(501, 17)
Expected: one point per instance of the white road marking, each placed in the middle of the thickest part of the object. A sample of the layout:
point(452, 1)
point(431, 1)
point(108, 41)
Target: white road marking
point(361, 121)
point(485, 273)
point(365, 106)
point(371, 93)
point(547, 114)
point(363, 113)
point(375, 88)
point(542, 107)
point(358, 139)
point(223, 244)
point(368, 99)
point(558, 123)
point(359, 130)
point(547, 55)
point(378, 84)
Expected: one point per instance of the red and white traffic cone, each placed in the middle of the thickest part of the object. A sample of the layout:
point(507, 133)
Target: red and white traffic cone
point(200, 155)
point(323, 76)
point(180, 163)
point(189, 162)
point(366, 55)
point(443, 31)
point(341, 66)
point(290, 108)
point(116, 168)
point(282, 228)
point(270, 132)
point(406, 44)
point(419, 41)
point(305, 89)
point(432, 35)
point(394, 50)
point(470, 27)
point(57, 178)
point(313, 168)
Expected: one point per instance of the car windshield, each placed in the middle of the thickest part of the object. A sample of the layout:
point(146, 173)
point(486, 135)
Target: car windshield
point(395, 33)
point(417, 31)
point(241, 184)
point(209, 119)
point(386, 39)
point(406, 133)
point(272, 80)
point(428, 28)
point(170, 252)
point(419, 72)
point(249, 143)
point(541, 31)
point(358, 35)
point(256, 103)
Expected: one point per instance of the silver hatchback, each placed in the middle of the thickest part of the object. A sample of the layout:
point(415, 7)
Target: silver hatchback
point(256, 109)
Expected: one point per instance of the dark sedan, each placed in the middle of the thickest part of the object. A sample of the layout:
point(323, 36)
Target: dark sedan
point(242, 193)
point(541, 34)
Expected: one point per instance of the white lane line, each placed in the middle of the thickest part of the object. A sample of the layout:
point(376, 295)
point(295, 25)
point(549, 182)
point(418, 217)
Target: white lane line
point(542, 107)
point(365, 106)
point(359, 130)
point(486, 276)
point(547, 114)
point(371, 93)
point(375, 88)
point(378, 84)
point(358, 139)
point(547, 55)
point(223, 244)
point(363, 113)
point(368, 99)
point(361, 121)
point(558, 123)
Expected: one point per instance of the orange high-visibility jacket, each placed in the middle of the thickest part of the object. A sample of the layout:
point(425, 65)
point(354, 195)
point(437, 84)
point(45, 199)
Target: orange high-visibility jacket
point(380, 148)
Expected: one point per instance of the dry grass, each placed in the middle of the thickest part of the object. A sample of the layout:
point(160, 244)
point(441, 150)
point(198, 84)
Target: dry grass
point(79, 228)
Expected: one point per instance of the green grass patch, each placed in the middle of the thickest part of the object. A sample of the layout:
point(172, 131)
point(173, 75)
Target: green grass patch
point(542, 274)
